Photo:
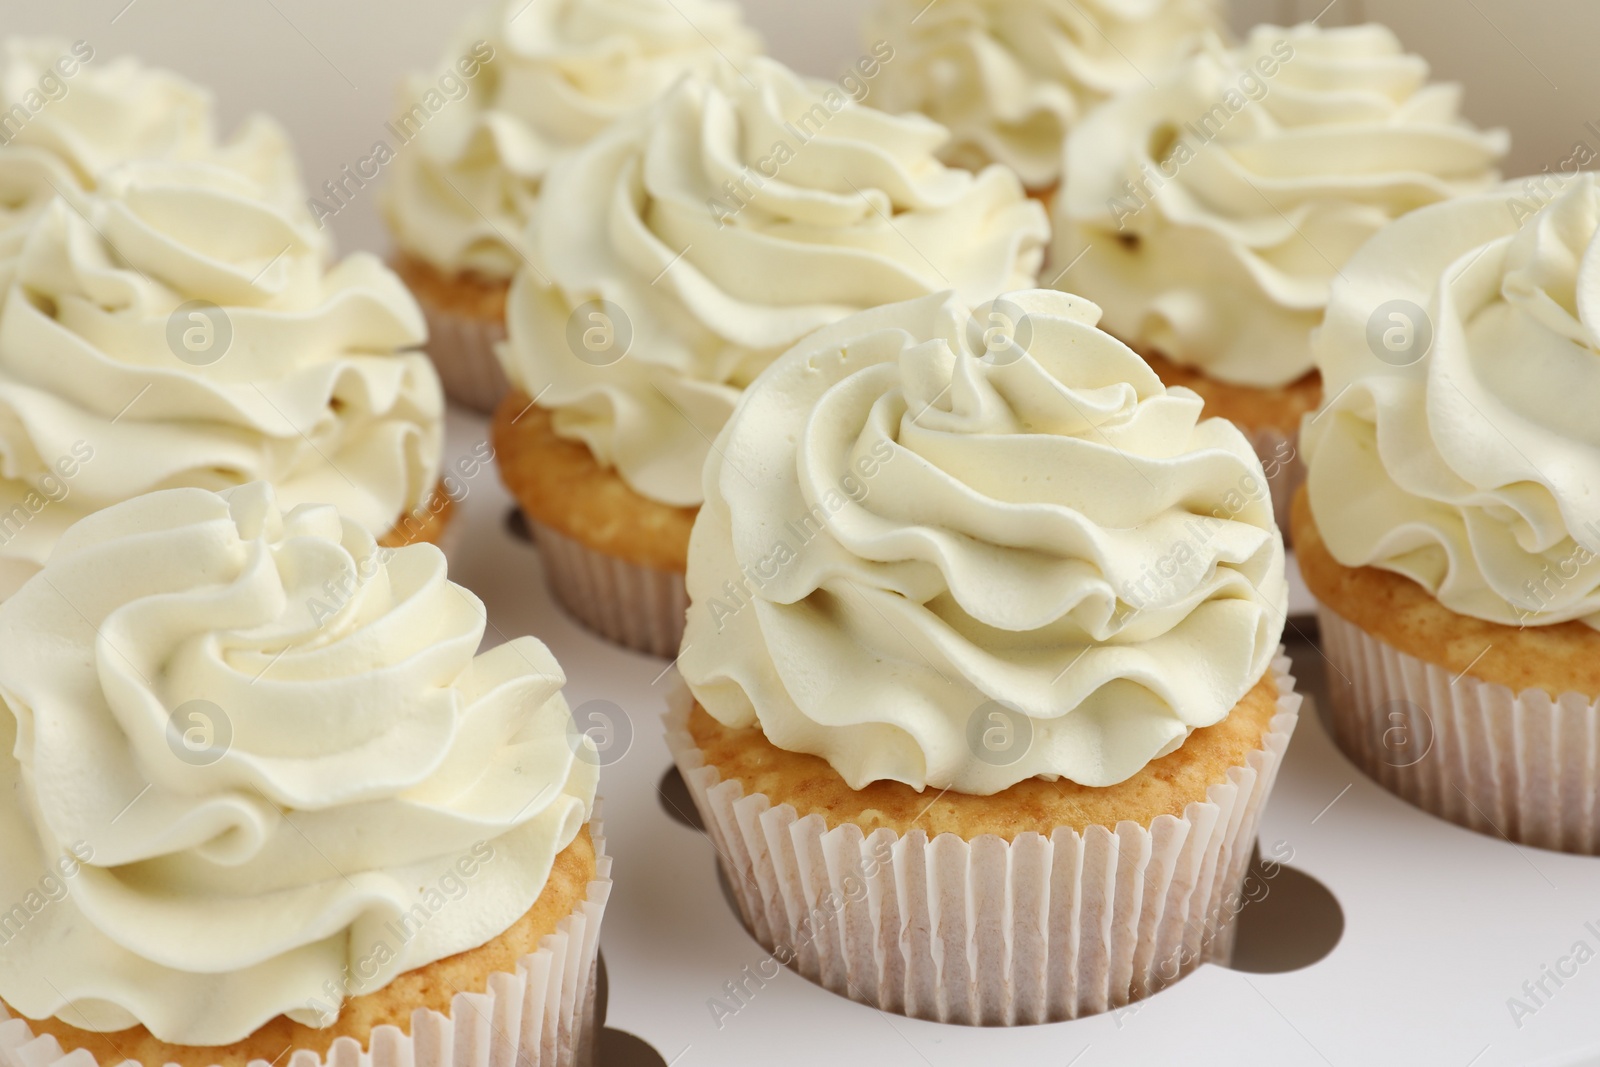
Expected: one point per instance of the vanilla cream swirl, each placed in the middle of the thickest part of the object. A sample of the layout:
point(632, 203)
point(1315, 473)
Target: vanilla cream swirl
point(274, 747)
point(1470, 465)
point(547, 76)
point(68, 117)
point(1213, 209)
point(284, 371)
point(908, 526)
point(724, 227)
point(1010, 78)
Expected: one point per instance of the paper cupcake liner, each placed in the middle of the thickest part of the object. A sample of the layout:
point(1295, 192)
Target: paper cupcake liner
point(990, 932)
point(1522, 766)
point(637, 607)
point(1271, 446)
point(462, 350)
point(541, 1016)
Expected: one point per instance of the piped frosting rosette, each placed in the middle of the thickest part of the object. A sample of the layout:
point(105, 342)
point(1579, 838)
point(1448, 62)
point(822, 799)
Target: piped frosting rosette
point(1466, 459)
point(267, 744)
point(69, 117)
point(520, 89)
point(1213, 208)
point(181, 329)
point(1010, 78)
point(710, 236)
point(930, 510)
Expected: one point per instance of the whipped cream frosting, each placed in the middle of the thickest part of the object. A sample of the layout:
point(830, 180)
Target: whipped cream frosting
point(1469, 464)
point(1010, 78)
point(1214, 208)
point(927, 523)
point(286, 775)
point(68, 117)
point(287, 371)
point(558, 73)
point(720, 229)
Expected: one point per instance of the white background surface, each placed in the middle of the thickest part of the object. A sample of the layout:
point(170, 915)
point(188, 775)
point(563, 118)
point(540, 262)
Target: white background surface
point(1442, 926)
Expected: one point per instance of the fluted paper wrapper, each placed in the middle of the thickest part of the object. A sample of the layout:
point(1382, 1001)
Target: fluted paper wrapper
point(637, 607)
point(1522, 766)
point(540, 1016)
point(1271, 447)
point(990, 932)
point(462, 350)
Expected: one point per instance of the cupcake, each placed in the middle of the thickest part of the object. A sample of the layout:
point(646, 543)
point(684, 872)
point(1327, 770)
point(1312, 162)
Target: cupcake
point(261, 797)
point(68, 116)
point(179, 329)
point(1449, 526)
point(973, 627)
point(1212, 210)
point(1011, 78)
point(670, 262)
point(472, 141)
